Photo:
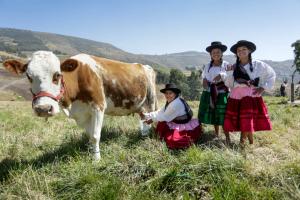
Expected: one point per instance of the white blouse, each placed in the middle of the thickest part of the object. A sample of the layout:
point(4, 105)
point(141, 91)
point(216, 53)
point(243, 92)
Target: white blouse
point(215, 71)
point(261, 70)
point(174, 109)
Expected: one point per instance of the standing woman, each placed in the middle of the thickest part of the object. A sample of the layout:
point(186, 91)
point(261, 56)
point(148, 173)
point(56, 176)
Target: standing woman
point(246, 110)
point(214, 97)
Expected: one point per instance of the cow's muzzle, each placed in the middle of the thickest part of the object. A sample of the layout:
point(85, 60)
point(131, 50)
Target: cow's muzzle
point(44, 110)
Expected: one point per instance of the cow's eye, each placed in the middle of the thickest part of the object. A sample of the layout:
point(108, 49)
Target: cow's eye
point(56, 77)
point(29, 78)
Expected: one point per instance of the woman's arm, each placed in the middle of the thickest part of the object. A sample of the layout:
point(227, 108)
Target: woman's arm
point(267, 76)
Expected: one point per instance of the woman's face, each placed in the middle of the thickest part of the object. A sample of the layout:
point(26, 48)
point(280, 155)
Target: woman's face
point(170, 95)
point(242, 52)
point(216, 54)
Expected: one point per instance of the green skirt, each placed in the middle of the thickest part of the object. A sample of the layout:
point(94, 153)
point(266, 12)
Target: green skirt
point(207, 115)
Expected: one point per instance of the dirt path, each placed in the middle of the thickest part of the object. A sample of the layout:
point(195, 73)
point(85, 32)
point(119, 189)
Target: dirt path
point(11, 83)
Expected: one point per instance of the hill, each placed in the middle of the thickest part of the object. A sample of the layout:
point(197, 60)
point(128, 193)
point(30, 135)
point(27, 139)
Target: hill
point(24, 42)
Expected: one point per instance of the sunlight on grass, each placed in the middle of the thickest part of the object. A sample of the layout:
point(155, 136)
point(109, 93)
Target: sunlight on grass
point(50, 160)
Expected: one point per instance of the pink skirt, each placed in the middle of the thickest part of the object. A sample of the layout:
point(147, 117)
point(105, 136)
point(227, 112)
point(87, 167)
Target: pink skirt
point(179, 136)
point(246, 112)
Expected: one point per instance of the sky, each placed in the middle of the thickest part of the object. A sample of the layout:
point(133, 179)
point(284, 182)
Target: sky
point(164, 26)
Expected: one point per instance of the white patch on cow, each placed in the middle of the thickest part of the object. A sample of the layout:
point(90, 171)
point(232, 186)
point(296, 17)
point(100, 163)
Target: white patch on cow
point(114, 81)
point(81, 112)
point(90, 117)
point(124, 102)
point(149, 72)
point(87, 59)
point(41, 68)
point(151, 80)
point(116, 111)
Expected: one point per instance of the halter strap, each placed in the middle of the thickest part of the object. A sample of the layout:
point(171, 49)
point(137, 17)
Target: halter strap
point(47, 94)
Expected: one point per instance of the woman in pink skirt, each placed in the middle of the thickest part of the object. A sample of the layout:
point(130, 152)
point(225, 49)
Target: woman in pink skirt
point(175, 124)
point(246, 111)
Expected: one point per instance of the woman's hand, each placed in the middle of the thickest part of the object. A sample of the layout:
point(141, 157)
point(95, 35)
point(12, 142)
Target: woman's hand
point(258, 91)
point(142, 116)
point(149, 121)
point(229, 68)
point(205, 84)
point(217, 78)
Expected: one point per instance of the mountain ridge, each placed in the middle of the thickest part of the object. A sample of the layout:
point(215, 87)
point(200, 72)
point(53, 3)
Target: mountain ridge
point(25, 42)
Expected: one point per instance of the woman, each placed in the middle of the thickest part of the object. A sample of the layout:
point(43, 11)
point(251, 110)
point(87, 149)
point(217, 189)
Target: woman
point(246, 110)
point(214, 97)
point(175, 124)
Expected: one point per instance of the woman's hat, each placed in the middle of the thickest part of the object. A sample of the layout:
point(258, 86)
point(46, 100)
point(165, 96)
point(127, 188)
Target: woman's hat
point(216, 45)
point(172, 87)
point(250, 45)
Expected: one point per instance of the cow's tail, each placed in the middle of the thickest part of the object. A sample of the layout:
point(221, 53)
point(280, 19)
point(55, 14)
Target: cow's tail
point(151, 99)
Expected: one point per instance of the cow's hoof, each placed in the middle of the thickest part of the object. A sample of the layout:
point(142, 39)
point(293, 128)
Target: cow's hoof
point(96, 156)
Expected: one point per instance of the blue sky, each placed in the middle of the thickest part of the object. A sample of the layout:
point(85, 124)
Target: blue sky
point(164, 26)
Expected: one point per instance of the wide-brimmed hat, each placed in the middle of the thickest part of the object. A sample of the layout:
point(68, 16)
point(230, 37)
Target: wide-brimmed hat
point(216, 45)
point(172, 87)
point(250, 45)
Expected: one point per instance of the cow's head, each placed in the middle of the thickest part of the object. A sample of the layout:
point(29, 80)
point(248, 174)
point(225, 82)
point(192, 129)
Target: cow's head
point(44, 73)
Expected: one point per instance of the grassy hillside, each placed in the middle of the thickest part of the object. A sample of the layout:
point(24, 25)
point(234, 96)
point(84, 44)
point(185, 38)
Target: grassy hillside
point(49, 160)
point(24, 42)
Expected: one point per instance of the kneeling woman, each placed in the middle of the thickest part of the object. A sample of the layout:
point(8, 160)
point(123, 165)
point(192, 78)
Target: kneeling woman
point(175, 124)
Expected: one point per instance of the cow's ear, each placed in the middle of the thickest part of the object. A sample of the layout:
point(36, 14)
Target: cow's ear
point(69, 65)
point(15, 66)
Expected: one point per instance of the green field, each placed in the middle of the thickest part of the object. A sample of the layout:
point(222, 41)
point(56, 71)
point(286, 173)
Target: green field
point(50, 160)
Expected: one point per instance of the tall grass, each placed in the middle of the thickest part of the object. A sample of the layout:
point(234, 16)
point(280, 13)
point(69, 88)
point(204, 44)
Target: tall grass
point(50, 160)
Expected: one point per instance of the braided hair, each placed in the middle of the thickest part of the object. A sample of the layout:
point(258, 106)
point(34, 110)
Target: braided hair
point(250, 62)
point(212, 61)
point(237, 63)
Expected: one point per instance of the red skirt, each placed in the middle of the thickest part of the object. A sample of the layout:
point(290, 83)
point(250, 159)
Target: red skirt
point(247, 114)
point(178, 139)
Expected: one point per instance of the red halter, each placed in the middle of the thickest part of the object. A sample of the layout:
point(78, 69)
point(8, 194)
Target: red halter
point(47, 94)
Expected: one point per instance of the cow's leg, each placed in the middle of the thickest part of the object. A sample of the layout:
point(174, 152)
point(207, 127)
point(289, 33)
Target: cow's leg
point(95, 131)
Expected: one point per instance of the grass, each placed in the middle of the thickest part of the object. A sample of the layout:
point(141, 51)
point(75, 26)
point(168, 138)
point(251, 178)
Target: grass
point(50, 160)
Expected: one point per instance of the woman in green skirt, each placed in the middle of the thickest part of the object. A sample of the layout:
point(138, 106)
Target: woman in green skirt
point(214, 96)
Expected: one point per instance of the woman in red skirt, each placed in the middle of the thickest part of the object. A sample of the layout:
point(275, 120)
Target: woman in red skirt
point(175, 124)
point(246, 110)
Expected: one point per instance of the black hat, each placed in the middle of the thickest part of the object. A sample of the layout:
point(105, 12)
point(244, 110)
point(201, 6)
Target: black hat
point(216, 45)
point(250, 45)
point(172, 87)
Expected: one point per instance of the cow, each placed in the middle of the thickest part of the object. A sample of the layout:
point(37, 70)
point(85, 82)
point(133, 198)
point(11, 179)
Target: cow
point(86, 87)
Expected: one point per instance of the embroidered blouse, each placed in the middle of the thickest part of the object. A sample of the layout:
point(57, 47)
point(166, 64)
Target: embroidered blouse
point(210, 73)
point(261, 70)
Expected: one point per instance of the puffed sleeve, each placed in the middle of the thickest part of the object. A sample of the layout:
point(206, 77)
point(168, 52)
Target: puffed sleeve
point(229, 79)
point(266, 76)
point(168, 115)
point(173, 110)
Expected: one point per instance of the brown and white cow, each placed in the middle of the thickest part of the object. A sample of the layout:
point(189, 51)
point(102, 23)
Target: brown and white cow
point(86, 87)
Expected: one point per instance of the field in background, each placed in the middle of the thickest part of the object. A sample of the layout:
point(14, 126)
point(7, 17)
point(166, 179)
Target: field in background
point(50, 160)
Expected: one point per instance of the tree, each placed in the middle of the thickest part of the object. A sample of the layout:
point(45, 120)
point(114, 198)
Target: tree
point(162, 77)
point(179, 79)
point(195, 86)
point(296, 45)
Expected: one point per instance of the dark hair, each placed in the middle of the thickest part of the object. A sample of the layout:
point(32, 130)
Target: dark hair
point(212, 61)
point(237, 63)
